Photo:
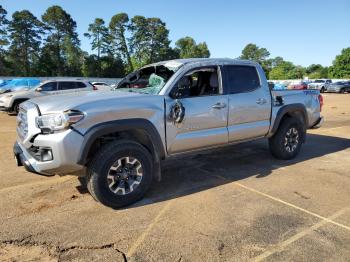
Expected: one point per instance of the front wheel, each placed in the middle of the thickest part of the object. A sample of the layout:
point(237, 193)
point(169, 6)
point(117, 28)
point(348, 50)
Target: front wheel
point(120, 173)
point(287, 141)
point(322, 90)
point(15, 109)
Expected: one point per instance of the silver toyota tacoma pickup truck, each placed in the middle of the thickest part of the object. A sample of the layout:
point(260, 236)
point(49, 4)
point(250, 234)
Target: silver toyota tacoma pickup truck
point(116, 140)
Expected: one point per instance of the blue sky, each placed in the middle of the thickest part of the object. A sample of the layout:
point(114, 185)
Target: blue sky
point(301, 31)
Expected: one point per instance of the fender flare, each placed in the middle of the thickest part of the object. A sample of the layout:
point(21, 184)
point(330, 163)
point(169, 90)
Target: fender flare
point(121, 125)
point(289, 109)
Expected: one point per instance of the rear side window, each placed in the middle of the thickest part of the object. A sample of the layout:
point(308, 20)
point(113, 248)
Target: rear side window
point(240, 79)
point(66, 85)
point(51, 86)
point(80, 85)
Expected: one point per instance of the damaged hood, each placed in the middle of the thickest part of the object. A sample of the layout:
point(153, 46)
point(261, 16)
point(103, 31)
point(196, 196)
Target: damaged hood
point(80, 100)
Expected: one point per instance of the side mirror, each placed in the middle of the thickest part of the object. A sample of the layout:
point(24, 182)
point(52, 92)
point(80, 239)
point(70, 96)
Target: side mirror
point(38, 89)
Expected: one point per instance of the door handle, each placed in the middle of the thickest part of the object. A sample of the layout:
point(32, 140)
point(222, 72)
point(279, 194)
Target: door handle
point(261, 101)
point(219, 105)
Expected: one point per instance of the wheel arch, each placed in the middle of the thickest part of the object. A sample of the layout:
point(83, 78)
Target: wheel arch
point(295, 110)
point(139, 130)
point(17, 101)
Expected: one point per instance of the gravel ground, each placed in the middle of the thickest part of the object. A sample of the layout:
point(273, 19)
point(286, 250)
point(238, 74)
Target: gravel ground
point(232, 204)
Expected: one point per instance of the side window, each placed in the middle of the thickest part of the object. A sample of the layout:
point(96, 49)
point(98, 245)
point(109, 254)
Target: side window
point(198, 82)
point(80, 85)
point(66, 85)
point(51, 86)
point(240, 79)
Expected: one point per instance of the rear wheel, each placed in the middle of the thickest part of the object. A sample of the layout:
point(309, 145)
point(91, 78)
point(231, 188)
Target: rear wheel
point(342, 91)
point(287, 141)
point(322, 89)
point(120, 173)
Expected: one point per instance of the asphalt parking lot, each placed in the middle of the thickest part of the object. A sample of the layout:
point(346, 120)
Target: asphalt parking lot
point(232, 204)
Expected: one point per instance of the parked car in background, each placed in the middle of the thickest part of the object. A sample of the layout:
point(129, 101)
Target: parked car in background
point(280, 86)
point(19, 84)
point(300, 86)
point(9, 102)
point(101, 86)
point(276, 86)
point(320, 84)
point(339, 87)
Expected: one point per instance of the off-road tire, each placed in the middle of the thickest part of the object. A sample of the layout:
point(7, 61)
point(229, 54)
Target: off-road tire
point(277, 142)
point(99, 166)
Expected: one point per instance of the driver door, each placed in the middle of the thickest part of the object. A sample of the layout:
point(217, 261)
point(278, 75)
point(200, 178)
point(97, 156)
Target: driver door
point(204, 122)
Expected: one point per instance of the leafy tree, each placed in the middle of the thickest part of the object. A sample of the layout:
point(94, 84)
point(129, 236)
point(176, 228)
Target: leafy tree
point(62, 43)
point(282, 71)
point(99, 34)
point(110, 66)
point(341, 65)
point(149, 40)
point(3, 29)
point(257, 54)
point(3, 40)
point(187, 48)
point(25, 32)
point(316, 71)
point(276, 61)
point(118, 27)
point(297, 72)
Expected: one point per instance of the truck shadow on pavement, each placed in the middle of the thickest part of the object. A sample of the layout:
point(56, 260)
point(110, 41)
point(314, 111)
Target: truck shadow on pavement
point(193, 173)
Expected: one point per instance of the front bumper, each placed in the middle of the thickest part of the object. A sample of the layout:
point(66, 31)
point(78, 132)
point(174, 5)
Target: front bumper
point(318, 123)
point(64, 146)
point(4, 108)
point(22, 160)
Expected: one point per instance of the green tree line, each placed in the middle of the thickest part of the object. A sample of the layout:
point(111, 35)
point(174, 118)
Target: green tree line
point(50, 46)
point(278, 69)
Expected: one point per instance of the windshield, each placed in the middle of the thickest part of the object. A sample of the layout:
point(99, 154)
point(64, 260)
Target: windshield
point(148, 80)
point(319, 81)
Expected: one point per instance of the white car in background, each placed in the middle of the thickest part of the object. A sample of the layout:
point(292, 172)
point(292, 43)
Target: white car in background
point(101, 86)
point(320, 84)
point(9, 102)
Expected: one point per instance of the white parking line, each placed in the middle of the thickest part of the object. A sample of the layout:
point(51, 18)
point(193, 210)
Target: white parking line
point(142, 237)
point(287, 204)
point(282, 245)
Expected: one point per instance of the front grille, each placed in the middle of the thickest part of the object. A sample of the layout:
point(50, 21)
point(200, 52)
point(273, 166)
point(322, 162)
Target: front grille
point(22, 123)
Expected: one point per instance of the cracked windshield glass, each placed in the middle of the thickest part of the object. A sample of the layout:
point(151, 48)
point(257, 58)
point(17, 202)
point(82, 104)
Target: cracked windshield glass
point(148, 80)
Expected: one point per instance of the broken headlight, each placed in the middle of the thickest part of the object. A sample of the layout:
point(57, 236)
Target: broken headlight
point(57, 121)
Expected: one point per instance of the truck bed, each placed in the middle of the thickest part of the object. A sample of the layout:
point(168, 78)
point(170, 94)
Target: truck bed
point(309, 98)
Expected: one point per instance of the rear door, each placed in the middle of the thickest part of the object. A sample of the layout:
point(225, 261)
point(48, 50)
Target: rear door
point(249, 102)
point(205, 112)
